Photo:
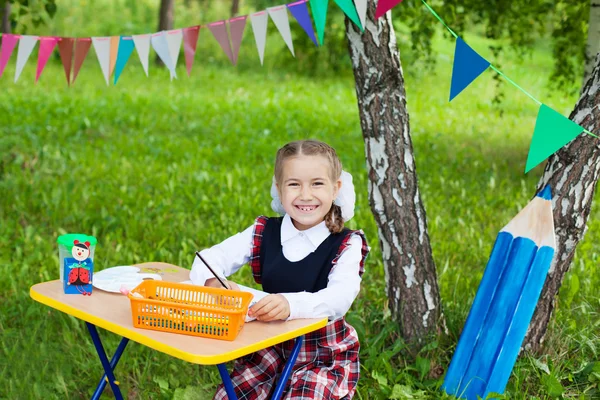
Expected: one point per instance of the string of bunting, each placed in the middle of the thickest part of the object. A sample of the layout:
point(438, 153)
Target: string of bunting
point(552, 130)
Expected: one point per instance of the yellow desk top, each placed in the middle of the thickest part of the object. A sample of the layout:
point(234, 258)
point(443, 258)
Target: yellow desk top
point(112, 312)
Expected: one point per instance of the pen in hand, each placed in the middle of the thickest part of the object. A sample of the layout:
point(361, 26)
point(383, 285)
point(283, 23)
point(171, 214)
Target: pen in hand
point(211, 270)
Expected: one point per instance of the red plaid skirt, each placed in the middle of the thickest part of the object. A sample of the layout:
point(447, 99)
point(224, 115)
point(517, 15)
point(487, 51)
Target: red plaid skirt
point(327, 367)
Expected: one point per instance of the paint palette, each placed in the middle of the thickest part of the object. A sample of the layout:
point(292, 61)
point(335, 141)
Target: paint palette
point(112, 279)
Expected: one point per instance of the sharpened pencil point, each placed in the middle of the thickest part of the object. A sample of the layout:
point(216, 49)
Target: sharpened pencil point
point(546, 193)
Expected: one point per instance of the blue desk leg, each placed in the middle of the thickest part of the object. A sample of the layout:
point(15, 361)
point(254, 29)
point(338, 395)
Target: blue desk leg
point(108, 368)
point(113, 363)
point(287, 370)
point(285, 375)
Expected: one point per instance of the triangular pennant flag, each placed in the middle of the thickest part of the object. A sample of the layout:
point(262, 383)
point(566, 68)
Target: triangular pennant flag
point(161, 47)
point(361, 10)
point(300, 11)
point(236, 30)
point(349, 9)
point(114, 51)
point(190, 40)
point(47, 45)
point(82, 46)
point(384, 6)
point(219, 31)
point(65, 49)
point(8, 45)
point(102, 48)
point(126, 46)
point(468, 65)
point(259, 27)
point(26, 45)
point(142, 46)
point(174, 39)
point(319, 13)
point(552, 131)
point(280, 18)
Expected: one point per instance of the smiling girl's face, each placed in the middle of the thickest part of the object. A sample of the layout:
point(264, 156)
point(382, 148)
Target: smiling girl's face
point(307, 189)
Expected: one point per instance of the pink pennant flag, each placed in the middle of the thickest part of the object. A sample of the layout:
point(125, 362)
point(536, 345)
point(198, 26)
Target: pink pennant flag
point(47, 45)
point(236, 28)
point(219, 31)
point(384, 6)
point(190, 40)
point(9, 42)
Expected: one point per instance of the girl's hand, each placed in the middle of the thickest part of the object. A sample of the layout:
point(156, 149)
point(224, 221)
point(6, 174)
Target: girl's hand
point(214, 282)
point(271, 308)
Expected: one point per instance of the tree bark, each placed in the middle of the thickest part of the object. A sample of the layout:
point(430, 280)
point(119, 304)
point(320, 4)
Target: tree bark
point(165, 20)
point(235, 7)
point(593, 39)
point(572, 173)
point(410, 275)
point(6, 17)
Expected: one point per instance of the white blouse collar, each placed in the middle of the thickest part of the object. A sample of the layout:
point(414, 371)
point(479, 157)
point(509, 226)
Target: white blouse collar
point(317, 234)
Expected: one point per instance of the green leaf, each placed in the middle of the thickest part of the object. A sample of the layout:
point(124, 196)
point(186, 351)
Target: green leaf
point(552, 385)
point(162, 382)
point(405, 392)
point(423, 366)
point(382, 380)
point(541, 365)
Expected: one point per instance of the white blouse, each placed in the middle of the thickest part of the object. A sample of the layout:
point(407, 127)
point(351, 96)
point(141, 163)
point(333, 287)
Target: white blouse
point(343, 282)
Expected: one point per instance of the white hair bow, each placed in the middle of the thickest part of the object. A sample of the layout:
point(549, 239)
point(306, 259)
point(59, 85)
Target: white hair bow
point(345, 198)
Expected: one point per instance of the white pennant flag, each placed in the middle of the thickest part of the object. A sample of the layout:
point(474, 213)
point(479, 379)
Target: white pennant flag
point(280, 18)
point(26, 45)
point(161, 46)
point(174, 39)
point(361, 10)
point(142, 46)
point(259, 27)
point(102, 48)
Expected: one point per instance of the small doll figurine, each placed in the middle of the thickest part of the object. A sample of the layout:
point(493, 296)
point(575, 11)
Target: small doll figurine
point(79, 269)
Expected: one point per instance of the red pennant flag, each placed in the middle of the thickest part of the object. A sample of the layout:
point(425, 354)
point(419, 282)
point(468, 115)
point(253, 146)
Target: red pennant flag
point(236, 29)
point(82, 46)
point(384, 6)
point(190, 40)
point(47, 45)
point(65, 49)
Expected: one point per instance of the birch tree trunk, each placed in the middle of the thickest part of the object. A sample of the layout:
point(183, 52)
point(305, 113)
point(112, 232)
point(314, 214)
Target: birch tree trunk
point(411, 280)
point(572, 173)
point(5, 28)
point(593, 39)
point(235, 6)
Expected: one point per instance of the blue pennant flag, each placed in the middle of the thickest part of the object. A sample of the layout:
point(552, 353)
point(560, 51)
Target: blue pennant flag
point(468, 65)
point(126, 46)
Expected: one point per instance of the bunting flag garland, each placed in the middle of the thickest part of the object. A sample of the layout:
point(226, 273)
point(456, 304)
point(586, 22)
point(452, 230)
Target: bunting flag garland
point(82, 46)
point(468, 65)
point(219, 31)
point(26, 45)
point(174, 39)
point(259, 27)
point(161, 47)
point(126, 46)
point(47, 45)
point(142, 46)
point(384, 6)
point(8, 45)
point(114, 51)
point(65, 50)
point(552, 131)
point(236, 30)
point(349, 9)
point(280, 18)
point(102, 48)
point(190, 41)
point(319, 13)
point(299, 10)
point(361, 10)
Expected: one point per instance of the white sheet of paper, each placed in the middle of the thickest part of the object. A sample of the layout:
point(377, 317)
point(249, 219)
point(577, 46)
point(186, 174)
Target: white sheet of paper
point(258, 295)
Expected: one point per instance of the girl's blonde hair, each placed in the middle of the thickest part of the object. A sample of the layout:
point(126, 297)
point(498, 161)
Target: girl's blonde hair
point(333, 219)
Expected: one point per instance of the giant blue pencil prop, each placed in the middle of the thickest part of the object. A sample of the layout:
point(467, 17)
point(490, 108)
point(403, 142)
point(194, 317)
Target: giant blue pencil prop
point(506, 299)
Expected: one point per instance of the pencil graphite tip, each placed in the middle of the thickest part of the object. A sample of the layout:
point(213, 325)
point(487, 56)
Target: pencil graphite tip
point(545, 193)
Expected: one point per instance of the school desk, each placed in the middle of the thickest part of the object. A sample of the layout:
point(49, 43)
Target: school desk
point(112, 312)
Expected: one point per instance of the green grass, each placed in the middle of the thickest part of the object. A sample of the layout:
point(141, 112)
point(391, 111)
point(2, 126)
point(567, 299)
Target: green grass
point(158, 169)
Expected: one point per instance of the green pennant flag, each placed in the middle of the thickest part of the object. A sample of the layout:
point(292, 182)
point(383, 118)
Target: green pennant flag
point(349, 9)
point(319, 13)
point(552, 131)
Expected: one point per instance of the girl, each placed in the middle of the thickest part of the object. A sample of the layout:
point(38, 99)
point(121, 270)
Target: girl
point(311, 265)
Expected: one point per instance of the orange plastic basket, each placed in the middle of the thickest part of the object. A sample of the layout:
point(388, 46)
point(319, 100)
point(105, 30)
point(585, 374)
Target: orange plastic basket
point(188, 309)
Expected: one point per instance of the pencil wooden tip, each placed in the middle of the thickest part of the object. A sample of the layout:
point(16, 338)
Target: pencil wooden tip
point(546, 193)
